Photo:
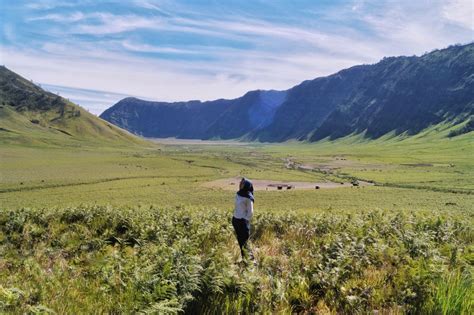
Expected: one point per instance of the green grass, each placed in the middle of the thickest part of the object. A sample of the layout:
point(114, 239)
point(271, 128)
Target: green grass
point(124, 260)
point(96, 227)
point(454, 294)
point(428, 160)
point(411, 173)
point(75, 127)
point(173, 176)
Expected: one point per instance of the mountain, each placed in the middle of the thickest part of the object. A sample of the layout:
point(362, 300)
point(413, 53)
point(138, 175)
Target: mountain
point(29, 114)
point(397, 94)
point(196, 119)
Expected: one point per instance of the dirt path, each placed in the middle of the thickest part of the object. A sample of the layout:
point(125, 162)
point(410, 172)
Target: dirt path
point(263, 184)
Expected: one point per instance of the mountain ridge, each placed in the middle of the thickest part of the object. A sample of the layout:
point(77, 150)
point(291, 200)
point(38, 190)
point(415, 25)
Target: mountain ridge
point(401, 94)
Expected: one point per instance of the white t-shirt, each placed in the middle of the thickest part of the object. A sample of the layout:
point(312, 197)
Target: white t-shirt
point(243, 208)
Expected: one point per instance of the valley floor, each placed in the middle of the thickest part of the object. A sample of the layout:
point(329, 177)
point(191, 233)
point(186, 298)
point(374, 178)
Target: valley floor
point(406, 174)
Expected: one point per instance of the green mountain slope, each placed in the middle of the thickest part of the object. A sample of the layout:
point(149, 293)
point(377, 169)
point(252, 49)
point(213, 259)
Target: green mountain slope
point(407, 94)
point(31, 115)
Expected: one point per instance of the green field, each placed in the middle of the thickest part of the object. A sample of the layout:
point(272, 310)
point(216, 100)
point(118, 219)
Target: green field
point(110, 228)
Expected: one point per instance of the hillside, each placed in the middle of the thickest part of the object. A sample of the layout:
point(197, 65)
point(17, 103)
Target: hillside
point(398, 94)
point(31, 115)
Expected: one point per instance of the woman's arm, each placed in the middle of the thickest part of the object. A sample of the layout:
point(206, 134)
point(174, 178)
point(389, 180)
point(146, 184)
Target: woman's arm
point(249, 209)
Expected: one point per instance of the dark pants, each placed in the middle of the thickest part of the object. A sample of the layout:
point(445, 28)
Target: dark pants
point(242, 229)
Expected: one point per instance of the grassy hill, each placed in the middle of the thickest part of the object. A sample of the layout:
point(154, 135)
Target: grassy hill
point(31, 115)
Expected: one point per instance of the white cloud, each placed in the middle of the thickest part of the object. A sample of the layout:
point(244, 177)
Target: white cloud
point(146, 4)
point(49, 4)
point(460, 12)
point(95, 101)
point(74, 17)
point(112, 24)
point(265, 36)
point(162, 80)
point(140, 47)
point(413, 27)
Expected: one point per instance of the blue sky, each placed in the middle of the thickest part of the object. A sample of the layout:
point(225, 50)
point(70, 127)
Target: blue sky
point(97, 52)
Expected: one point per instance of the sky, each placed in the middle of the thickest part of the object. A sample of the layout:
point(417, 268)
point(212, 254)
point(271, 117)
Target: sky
point(97, 52)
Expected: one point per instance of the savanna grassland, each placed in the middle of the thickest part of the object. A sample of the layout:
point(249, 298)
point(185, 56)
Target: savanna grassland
point(125, 229)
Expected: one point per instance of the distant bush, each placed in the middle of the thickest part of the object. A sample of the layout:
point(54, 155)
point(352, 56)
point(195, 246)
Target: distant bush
point(468, 127)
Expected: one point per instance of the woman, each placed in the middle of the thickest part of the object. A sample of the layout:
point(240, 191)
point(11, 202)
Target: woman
point(242, 214)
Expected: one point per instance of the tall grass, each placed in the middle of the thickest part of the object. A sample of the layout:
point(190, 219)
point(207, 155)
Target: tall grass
point(152, 260)
point(454, 294)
